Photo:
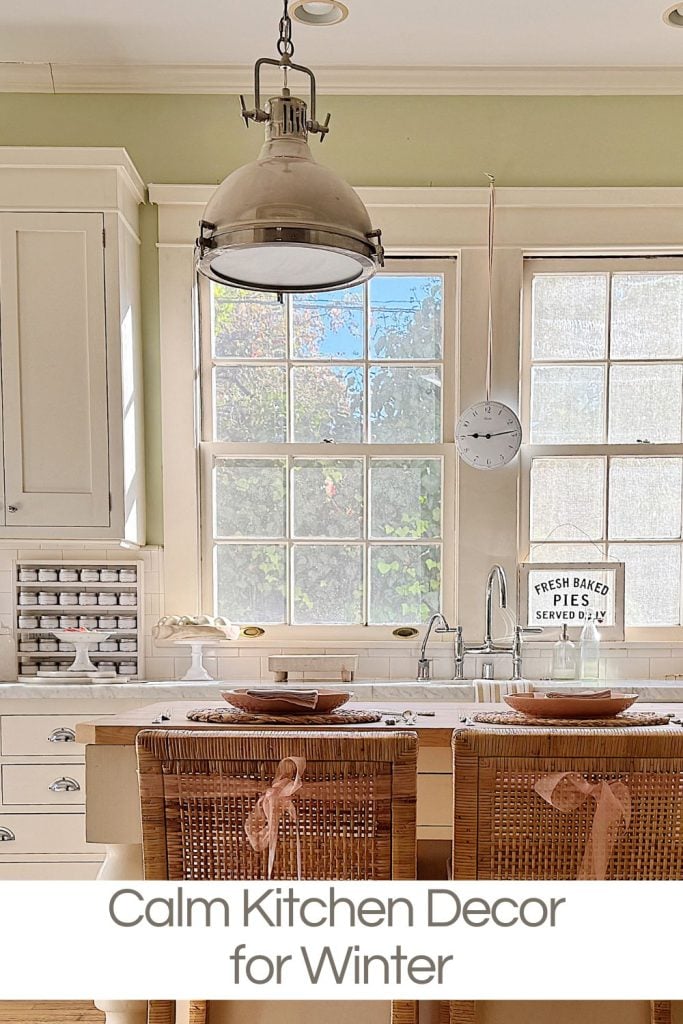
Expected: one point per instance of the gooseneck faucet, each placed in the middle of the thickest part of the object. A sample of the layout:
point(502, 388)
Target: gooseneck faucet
point(423, 664)
point(514, 648)
point(496, 572)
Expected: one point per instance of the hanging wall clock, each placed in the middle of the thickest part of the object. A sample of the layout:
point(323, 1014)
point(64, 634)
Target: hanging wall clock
point(488, 434)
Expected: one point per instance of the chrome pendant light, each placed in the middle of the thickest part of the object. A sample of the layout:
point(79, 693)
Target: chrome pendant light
point(285, 223)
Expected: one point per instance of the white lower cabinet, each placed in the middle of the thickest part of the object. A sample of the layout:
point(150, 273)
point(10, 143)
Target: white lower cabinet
point(51, 785)
point(42, 788)
point(45, 833)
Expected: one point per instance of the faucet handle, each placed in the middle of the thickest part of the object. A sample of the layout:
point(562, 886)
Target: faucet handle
point(524, 630)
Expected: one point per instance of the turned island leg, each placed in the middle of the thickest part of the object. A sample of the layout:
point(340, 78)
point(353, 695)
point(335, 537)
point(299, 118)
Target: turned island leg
point(113, 818)
point(130, 1011)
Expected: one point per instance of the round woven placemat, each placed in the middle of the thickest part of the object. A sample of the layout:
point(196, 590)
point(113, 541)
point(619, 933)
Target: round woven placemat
point(627, 719)
point(231, 716)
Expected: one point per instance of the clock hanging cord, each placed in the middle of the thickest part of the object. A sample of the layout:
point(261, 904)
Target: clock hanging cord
point(492, 222)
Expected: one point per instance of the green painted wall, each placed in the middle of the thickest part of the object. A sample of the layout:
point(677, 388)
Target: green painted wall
point(379, 140)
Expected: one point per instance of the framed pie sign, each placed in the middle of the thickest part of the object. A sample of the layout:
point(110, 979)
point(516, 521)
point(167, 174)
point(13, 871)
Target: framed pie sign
point(554, 594)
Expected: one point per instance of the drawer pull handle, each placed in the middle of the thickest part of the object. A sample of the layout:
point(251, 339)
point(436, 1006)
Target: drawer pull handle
point(64, 785)
point(6, 834)
point(62, 735)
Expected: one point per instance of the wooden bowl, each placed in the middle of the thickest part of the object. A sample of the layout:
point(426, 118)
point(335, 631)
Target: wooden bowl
point(540, 705)
point(247, 699)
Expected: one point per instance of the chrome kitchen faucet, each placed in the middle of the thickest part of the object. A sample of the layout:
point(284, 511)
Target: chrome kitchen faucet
point(496, 575)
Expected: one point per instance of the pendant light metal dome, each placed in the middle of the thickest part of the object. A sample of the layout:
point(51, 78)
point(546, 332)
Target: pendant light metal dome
point(285, 223)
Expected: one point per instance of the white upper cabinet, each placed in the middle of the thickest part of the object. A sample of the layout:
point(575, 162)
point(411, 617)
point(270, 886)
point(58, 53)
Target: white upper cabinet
point(70, 390)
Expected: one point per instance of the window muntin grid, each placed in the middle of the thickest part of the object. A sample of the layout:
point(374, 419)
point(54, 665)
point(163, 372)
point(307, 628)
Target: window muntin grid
point(401, 388)
point(604, 407)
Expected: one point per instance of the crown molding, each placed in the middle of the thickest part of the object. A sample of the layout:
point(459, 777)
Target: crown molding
point(348, 79)
point(441, 221)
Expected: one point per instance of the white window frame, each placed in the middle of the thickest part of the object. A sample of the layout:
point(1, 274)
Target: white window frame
point(415, 222)
point(212, 451)
point(586, 265)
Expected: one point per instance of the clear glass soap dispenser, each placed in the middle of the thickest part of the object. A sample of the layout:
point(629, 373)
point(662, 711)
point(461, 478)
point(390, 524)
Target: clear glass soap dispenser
point(564, 657)
point(590, 651)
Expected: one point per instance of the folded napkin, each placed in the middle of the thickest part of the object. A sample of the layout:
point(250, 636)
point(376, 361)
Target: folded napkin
point(301, 698)
point(580, 693)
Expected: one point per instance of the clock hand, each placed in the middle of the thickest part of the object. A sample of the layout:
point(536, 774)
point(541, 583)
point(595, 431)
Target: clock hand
point(500, 433)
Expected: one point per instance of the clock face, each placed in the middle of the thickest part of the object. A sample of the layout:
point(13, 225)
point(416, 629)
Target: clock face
point(488, 435)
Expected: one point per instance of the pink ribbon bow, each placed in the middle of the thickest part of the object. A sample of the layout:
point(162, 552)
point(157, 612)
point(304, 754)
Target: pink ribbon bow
point(262, 824)
point(567, 791)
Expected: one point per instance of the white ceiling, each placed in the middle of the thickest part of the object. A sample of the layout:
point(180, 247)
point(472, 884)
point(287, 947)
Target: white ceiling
point(378, 34)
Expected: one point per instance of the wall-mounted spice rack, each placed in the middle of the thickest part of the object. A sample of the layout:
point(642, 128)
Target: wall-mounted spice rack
point(65, 593)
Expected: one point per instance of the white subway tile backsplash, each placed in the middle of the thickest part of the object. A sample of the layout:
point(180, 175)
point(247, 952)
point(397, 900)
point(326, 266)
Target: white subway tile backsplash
point(624, 668)
point(660, 667)
point(239, 668)
point(160, 668)
point(401, 668)
point(373, 667)
point(380, 661)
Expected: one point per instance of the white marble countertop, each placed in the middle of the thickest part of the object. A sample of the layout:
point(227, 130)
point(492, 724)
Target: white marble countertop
point(369, 689)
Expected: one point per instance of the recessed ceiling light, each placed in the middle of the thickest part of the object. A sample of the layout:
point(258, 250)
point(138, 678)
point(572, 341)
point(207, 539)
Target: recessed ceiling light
point(674, 16)
point(319, 12)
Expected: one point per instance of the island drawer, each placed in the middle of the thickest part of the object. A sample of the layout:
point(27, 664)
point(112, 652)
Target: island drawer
point(40, 734)
point(44, 833)
point(50, 784)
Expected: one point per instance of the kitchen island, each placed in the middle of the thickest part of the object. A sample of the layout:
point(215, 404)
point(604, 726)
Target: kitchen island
point(112, 812)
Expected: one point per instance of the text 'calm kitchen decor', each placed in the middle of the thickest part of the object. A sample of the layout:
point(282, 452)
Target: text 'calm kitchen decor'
point(553, 594)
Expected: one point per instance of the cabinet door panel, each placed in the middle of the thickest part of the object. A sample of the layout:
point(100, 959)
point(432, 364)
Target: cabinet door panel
point(54, 371)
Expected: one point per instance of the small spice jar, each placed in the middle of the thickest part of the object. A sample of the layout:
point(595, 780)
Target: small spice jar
point(109, 575)
point(28, 669)
point(128, 599)
point(108, 646)
point(49, 622)
point(28, 646)
point(46, 575)
point(128, 646)
point(127, 668)
point(28, 622)
point(87, 599)
point(105, 666)
point(68, 575)
point(28, 575)
point(106, 597)
point(65, 647)
point(87, 622)
point(48, 645)
point(107, 622)
point(90, 575)
point(47, 666)
point(47, 597)
point(128, 622)
point(27, 597)
point(68, 622)
point(128, 575)
point(68, 597)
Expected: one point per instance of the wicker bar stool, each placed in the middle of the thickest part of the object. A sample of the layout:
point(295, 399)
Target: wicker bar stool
point(355, 812)
point(506, 828)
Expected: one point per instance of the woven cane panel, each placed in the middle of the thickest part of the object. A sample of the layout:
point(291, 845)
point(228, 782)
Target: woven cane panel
point(344, 821)
point(522, 836)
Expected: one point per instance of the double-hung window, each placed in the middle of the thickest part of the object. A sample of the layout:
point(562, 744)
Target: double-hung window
point(603, 407)
point(327, 451)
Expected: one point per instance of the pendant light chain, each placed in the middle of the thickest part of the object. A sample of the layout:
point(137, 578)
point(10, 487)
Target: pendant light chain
point(285, 45)
point(492, 221)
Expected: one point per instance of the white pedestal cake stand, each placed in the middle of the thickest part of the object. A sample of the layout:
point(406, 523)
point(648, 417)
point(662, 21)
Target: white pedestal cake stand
point(197, 672)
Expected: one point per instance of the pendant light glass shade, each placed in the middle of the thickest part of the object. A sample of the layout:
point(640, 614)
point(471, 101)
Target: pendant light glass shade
point(286, 223)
